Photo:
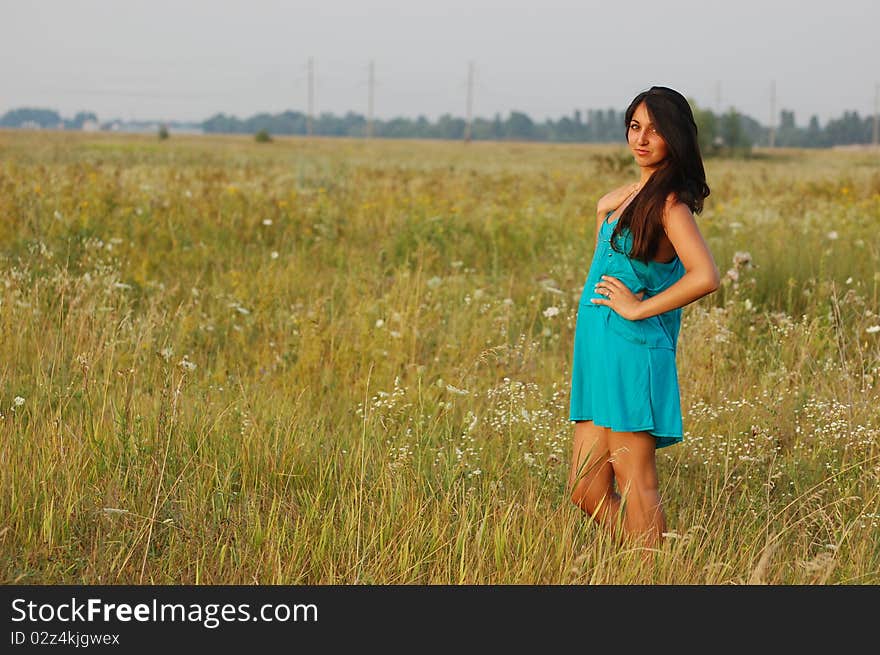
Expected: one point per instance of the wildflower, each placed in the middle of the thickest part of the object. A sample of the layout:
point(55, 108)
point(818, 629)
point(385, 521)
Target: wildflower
point(18, 401)
point(874, 329)
point(832, 235)
point(379, 323)
point(550, 312)
point(742, 258)
point(187, 365)
point(242, 310)
point(267, 221)
point(274, 254)
point(460, 392)
point(732, 274)
point(166, 353)
point(434, 282)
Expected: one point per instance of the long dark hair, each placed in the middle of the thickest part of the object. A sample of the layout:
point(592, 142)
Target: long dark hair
point(680, 173)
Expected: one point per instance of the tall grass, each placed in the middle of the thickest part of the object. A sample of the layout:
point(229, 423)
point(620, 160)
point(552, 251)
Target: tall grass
point(343, 361)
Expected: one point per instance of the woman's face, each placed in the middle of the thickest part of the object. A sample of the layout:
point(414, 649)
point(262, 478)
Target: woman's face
point(645, 142)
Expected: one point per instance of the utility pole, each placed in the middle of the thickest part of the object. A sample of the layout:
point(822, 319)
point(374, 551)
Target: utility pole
point(470, 102)
point(370, 104)
point(311, 95)
point(876, 139)
point(773, 113)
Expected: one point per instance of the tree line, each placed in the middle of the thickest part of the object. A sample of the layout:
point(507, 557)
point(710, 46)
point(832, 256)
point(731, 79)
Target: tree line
point(731, 130)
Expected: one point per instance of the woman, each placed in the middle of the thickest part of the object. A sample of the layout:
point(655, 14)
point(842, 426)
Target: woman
point(650, 260)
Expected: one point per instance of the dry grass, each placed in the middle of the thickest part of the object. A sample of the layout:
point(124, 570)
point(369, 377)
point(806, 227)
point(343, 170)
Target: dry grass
point(331, 361)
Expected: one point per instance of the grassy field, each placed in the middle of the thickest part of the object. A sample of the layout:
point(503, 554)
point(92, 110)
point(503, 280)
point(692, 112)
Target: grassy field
point(322, 361)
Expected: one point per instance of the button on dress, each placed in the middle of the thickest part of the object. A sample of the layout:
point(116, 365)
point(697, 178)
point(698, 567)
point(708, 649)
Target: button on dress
point(624, 373)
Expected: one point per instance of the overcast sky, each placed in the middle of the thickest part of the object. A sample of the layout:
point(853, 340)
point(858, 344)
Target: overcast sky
point(189, 59)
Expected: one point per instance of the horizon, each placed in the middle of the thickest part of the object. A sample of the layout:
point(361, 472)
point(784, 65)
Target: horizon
point(504, 116)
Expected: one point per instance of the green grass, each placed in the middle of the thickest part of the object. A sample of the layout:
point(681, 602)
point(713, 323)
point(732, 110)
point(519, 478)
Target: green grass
point(327, 361)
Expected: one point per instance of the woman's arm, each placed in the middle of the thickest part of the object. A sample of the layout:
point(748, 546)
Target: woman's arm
point(701, 274)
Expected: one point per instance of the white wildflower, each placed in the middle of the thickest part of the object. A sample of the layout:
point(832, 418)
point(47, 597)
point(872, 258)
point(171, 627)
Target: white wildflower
point(274, 254)
point(18, 401)
point(550, 312)
point(380, 323)
point(832, 235)
point(742, 258)
point(460, 392)
point(874, 329)
point(267, 221)
point(434, 282)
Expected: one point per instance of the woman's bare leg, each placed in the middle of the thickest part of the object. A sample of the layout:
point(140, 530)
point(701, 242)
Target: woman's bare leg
point(633, 458)
point(591, 478)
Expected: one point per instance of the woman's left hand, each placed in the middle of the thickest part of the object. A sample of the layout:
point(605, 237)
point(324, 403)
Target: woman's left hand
point(618, 297)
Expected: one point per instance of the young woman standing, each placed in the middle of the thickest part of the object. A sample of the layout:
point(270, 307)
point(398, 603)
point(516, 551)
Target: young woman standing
point(650, 260)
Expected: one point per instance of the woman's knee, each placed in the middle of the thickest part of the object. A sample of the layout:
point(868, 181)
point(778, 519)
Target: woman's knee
point(641, 489)
point(590, 496)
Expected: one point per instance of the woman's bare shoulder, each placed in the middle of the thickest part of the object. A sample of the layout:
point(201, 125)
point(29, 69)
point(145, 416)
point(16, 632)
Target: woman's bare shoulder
point(676, 210)
point(613, 199)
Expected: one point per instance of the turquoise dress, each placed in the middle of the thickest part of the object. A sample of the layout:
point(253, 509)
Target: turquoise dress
point(624, 375)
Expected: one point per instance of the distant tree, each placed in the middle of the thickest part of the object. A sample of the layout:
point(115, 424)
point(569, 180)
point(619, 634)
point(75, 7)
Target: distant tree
point(29, 115)
point(79, 120)
point(519, 127)
point(815, 138)
point(849, 129)
point(163, 132)
point(262, 136)
point(732, 133)
point(707, 129)
point(786, 119)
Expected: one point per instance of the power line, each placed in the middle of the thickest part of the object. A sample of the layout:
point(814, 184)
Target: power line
point(470, 102)
point(311, 95)
point(876, 135)
point(370, 103)
point(773, 113)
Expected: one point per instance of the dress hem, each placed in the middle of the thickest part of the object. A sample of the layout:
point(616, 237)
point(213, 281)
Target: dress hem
point(665, 435)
